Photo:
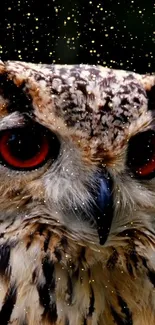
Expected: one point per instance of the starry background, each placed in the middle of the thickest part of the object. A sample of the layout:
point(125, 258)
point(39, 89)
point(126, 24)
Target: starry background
point(113, 33)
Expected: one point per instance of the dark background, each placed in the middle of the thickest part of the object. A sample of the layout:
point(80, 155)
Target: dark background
point(113, 33)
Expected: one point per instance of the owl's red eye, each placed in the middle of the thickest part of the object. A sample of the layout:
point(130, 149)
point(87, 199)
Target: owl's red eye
point(141, 154)
point(26, 148)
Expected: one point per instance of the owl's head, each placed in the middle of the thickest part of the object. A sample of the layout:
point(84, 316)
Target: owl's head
point(77, 150)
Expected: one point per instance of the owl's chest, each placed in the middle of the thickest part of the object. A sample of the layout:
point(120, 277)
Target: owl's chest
point(45, 279)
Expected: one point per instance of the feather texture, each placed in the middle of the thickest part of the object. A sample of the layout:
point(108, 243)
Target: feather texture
point(53, 271)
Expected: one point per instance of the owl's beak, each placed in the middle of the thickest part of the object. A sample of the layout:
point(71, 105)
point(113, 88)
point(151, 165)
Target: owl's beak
point(104, 207)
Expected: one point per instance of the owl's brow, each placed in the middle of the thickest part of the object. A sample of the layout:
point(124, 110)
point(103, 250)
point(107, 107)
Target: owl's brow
point(17, 99)
point(12, 120)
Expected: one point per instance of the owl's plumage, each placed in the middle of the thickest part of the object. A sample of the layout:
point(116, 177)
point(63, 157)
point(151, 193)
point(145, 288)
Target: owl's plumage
point(77, 233)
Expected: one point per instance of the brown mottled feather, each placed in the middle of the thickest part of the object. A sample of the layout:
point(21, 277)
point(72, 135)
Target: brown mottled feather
point(53, 271)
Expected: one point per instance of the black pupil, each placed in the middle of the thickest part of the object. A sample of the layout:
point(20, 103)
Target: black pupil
point(24, 143)
point(141, 149)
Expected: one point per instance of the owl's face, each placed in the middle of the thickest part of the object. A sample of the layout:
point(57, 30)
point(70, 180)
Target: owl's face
point(77, 151)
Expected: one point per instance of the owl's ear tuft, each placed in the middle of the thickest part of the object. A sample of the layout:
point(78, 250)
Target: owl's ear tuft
point(148, 82)
point(18, 99)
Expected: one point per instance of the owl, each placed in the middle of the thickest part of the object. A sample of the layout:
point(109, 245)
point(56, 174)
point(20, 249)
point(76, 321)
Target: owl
point(77, 195)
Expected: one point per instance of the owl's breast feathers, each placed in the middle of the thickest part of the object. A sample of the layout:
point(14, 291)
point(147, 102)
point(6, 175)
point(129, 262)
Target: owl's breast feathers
point(49, 276)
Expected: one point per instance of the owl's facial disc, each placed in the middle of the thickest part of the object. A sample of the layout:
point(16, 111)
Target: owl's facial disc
point(103, 212)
